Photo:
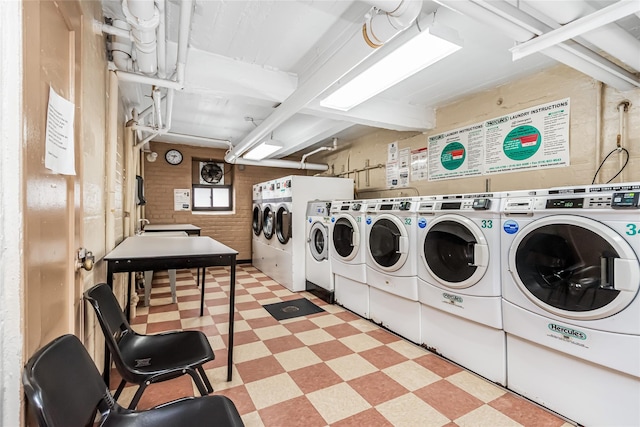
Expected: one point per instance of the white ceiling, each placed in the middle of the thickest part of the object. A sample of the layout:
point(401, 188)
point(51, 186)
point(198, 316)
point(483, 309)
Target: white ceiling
point(246, 58)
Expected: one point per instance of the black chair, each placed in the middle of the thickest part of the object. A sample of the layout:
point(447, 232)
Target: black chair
point(65, 389)
point(146, 359)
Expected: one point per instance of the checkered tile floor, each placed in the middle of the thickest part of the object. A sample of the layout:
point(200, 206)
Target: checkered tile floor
point(326, 369)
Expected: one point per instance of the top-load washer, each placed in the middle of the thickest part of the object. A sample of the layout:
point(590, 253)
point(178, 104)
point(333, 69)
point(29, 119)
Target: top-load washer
point(317, 264)
point(392, 266)
point(459, 281)
point(347, 254)
point(570, 300)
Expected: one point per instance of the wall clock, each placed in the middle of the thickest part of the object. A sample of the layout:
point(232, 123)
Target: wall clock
point(173, 157)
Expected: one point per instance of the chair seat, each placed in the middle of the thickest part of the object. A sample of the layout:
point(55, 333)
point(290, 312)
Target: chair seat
point(216, 411)
point(64, 389)
point(147, 359)
point(147, 354)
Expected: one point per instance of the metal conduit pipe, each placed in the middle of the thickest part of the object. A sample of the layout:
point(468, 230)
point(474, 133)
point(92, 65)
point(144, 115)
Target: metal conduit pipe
point(355, 50)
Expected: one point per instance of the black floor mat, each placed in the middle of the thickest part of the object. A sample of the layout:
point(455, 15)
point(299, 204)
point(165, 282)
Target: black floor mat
point(294, 308)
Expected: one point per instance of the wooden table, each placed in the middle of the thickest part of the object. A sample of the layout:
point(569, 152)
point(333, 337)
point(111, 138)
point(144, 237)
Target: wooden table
point(164, 253)
point(190, 229)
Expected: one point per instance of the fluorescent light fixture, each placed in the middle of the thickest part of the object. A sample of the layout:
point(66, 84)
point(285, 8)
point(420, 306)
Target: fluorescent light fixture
point(264, 149)
point(597, 19)
point(423, 50)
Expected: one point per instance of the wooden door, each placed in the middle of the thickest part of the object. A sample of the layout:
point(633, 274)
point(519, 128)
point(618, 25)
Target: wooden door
point(52, 202)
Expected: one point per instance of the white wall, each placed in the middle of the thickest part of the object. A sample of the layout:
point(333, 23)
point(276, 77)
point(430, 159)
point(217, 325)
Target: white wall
point(11, 285)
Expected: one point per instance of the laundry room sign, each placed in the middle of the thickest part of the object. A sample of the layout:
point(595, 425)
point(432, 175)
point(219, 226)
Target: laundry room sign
point(535, 138)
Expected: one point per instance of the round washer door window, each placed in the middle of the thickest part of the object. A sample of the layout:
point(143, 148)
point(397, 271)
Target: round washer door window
point(318, 243)
point(455, 252)
point(283, 224)
point(388, 242)
point(257, 220)
point(346, 237)
point(574, 267)
point(267, 222)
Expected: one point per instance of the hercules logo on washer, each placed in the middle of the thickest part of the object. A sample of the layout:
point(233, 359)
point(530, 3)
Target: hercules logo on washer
point(452, 299)
point(567, 332)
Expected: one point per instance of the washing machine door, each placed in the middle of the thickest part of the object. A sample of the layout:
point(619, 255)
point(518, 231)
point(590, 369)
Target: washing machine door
point(346, 237)
point(574, 267)
point(268, 225)
point(257, 220)
point(455, 251)
point(283, 223)
point(318, 241)
point(388, 242)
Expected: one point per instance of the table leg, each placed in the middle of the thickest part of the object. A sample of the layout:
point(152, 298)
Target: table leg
point(204, 271)
point(232, 307)
point(127, 308)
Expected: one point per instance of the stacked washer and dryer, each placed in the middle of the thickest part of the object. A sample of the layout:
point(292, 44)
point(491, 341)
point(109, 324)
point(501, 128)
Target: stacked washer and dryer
point(570, 300)
point(347, 254)
point(459, 281)
point(391, 232)
point(284, 205)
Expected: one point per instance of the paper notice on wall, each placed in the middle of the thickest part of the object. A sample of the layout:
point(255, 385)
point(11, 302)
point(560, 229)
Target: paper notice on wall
point(181, 199)
point(404, 163)
point(534, 138)
point(59, 143)
point(457, 153)
point(419, 164)
point(392, 152)
point(393, 177)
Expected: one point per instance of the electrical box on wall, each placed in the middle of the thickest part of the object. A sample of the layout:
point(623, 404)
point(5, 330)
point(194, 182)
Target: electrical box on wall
point(211, 173)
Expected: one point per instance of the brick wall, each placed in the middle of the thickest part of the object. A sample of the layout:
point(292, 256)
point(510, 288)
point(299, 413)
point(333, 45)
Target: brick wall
point(233, 229)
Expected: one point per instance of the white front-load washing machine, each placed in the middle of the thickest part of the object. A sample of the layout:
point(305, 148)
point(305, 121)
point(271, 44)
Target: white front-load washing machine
point(347, 254)
point(459, 281)
point(317, 264)
point(391, 266)
point(283, 214)
point(570, 300)
point(284, 223)
point(257, 241)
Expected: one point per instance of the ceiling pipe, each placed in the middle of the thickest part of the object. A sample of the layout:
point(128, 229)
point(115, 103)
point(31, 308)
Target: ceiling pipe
point(120, 46)
point(522, 27)
point(186, 7)
point(610, 38)
point(317, 150)
point(144, 17)
point(162, 42)
point(581, 27)
point(355, 50)
point(278, 163)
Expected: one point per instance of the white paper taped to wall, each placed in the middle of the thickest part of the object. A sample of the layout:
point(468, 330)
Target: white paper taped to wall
point(59, 141)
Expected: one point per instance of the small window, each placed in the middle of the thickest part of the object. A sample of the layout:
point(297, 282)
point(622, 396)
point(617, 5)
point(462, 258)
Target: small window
point(212, 185)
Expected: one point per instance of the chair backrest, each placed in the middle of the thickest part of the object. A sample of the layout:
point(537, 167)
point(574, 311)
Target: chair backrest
point(63, 385)
point(113, 323)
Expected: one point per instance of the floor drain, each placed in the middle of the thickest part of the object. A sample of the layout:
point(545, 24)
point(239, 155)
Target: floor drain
point(290, 309)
